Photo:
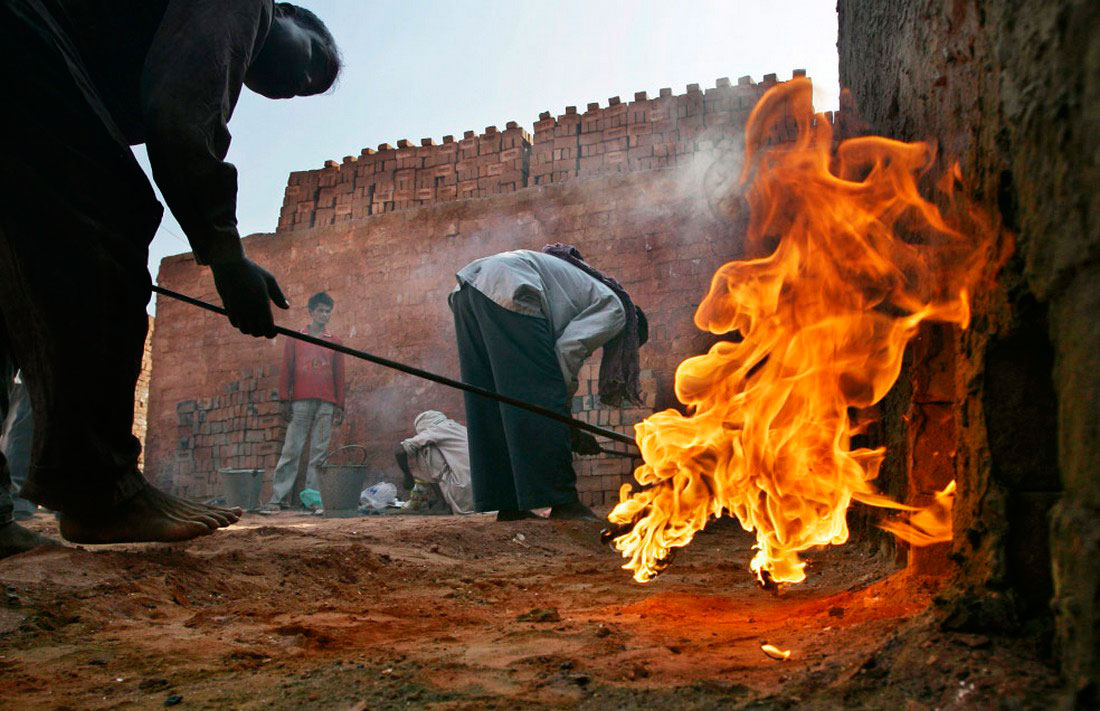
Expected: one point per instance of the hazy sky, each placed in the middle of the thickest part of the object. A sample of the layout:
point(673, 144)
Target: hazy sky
point(426, 68)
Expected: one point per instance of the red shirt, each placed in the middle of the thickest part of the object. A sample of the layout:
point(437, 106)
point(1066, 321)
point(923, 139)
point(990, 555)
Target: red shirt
point(312, 372)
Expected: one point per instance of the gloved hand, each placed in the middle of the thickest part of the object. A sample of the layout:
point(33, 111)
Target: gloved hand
point(246, 289)
point(584, 443)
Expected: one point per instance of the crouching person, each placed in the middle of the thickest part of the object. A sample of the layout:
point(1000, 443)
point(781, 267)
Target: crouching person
point(439, 474)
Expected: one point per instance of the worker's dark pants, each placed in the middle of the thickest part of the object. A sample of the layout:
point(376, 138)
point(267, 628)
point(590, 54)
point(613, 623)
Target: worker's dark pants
point(76, 217)
point(518, 460)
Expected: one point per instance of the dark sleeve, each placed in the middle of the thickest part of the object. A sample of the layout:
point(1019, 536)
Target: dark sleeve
point(192, 77)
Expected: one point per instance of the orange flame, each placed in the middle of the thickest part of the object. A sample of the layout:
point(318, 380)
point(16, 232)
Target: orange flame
point(931, 524)
point(858, 259)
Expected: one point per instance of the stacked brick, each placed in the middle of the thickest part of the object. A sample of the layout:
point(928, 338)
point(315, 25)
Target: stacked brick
point(600, 477)
point(407, 176)
point(643, 134)
point(512, 163)
point(555, 152)
point(494, 162)
point(240, 428)
point(603, 139)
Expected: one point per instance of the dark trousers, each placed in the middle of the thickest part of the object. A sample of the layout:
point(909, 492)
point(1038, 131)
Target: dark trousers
point(518, 460)
point(76, 217)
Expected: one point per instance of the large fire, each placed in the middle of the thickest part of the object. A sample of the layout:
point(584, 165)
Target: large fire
point(849, 260)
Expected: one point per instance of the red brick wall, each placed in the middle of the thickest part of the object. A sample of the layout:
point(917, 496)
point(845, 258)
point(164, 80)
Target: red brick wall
point(389, 264)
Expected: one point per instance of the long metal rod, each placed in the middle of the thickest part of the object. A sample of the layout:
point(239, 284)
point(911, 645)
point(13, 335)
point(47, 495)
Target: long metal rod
point(363, 355)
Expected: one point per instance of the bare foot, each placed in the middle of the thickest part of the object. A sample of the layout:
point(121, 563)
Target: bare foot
point(224, 517)
point(151, 516)
point(16, 539)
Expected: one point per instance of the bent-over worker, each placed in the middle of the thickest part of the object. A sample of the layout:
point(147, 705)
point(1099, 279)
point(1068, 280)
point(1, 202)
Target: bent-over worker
point(525, 323)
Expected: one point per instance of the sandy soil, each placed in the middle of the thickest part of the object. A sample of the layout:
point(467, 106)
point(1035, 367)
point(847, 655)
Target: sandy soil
point(294, 611)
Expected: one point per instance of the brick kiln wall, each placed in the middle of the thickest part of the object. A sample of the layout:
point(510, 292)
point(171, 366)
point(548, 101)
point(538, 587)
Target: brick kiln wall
point(620, 138)
point(1010, 89)
point(384, 233)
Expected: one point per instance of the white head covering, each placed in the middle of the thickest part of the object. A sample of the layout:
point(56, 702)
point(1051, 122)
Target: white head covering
point(428, 418)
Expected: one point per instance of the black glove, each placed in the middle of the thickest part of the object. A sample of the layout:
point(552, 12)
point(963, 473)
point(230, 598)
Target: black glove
point(584, 443)
point(246, 290)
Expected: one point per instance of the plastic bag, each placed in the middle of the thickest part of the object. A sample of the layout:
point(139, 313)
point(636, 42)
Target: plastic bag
point(311, 498)
point(377, 497)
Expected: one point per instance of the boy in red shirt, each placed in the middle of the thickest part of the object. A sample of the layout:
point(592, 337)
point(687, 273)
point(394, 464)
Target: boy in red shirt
point(311, 390)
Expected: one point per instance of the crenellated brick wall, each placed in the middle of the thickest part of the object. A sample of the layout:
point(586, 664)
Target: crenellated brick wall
point(385, 233)
point(621, 137)
point(407, 176)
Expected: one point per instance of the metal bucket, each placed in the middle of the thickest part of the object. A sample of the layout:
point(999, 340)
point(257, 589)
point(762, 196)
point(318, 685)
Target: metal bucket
point(341, 484)
point(242, 487)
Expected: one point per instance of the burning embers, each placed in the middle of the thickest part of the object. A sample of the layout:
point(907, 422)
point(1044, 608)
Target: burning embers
point(850, 259)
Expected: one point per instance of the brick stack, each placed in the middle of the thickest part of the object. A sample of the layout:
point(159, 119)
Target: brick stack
point(565, 151)
point(599, 478)
point(488, 162)
point(378, 185)
point(300, 199)
point(603, 140)
point(643, 134)
point(651, 128)
point(239, 428)
point(640, 133)
point(437, 178)
point(375, 182)
point(554, 152)
point(513, 159)
point(542, 151)
point(466, 167)
point(690, 122)
point(325, 210)
point(404, 178)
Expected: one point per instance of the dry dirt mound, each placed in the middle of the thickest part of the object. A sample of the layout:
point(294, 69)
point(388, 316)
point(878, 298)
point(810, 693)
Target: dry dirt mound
point(294, 611)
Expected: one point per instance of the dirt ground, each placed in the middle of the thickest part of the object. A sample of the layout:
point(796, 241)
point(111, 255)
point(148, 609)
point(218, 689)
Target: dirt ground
point(385, 612)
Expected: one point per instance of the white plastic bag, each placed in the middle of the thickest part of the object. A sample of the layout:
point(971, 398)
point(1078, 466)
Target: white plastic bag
point(377, 497)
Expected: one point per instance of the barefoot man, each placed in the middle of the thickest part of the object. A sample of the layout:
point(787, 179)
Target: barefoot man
point(83, 80)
